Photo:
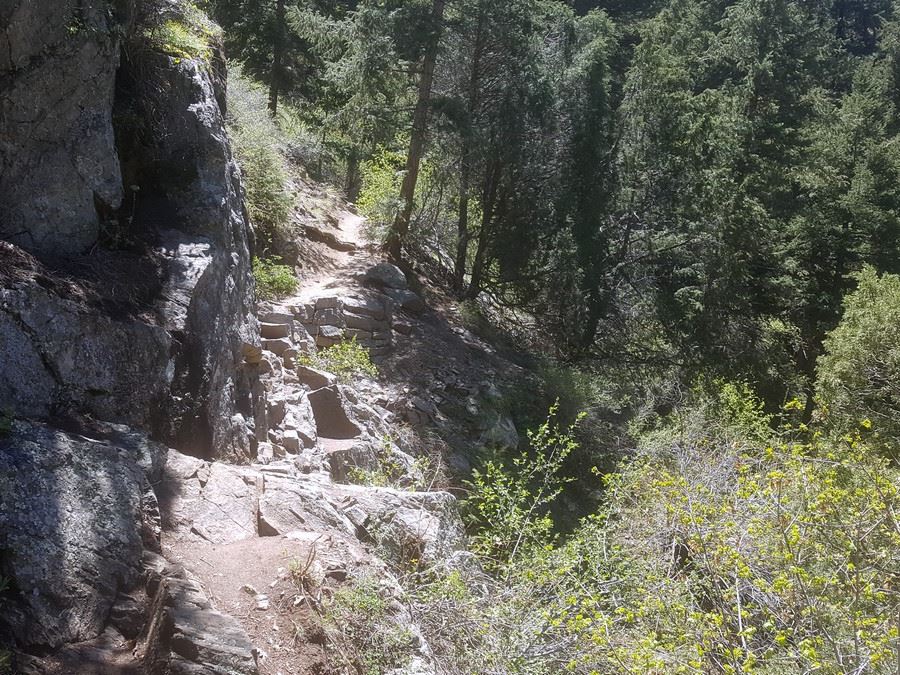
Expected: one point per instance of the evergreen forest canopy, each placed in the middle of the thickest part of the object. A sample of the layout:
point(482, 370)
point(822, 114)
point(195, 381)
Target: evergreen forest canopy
point(696, 205)
point(689, 184)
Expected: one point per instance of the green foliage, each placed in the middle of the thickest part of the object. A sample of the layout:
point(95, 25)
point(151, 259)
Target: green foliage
point(508, 505)
point(859, 372)
point(681, 188)
point(254, 138)
point(717, 551)
point(347, 360)
point(273, 280)
point(177, 38)
point(727, 553)
point(186, 37)
point(378, 198)
point(364, 634)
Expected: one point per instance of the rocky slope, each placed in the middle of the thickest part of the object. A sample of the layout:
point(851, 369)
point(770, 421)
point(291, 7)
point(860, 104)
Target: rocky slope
point(180, 492)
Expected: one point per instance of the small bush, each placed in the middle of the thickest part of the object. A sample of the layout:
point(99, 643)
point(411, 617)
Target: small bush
point(378, 199)
point(859, 374)
point(177, 39)
point(347, 360)
point(509, 504)
point(254, 139)
point(273, 280)
point(186, 37)
point(364, 634)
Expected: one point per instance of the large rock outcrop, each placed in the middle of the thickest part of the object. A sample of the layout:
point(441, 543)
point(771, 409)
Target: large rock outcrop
point(208, 298)
point(113, 311)
point(61, 354)
point(72, 510)
point(58, 163)
point(148, 326)
point(79, 524)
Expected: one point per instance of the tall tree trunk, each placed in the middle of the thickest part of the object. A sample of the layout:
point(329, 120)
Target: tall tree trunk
point(463, 236)
point(351, 180)
point(277, 57)
point(417, 139)
point(462, 232)
point(489, 202)
point(478, 265)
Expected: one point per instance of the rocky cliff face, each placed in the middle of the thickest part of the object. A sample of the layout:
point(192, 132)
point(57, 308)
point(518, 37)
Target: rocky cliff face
point(58, 164)
point(126, 298)
point(136, 311)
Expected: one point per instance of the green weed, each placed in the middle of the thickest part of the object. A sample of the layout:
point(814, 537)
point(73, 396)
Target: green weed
point(347, 360)
point(273, 280)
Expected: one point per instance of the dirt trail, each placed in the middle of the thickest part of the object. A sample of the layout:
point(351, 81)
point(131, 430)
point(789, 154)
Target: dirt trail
point(271, 542)
point(341, 244)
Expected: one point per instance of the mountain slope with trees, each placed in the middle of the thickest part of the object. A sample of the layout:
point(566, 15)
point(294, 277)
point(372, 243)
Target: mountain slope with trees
point(675, 202)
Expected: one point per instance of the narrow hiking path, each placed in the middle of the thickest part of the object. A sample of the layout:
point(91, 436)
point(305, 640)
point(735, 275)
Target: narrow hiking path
point(348, 478)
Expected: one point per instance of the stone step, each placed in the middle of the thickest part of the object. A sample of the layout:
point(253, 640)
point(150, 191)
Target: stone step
point(282, 316)
point(314, 378)
point(369, 306)
point(273, 331)
point(331, 418)
point(278, 347)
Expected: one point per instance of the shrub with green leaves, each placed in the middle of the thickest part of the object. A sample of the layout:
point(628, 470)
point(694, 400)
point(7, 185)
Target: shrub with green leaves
point(725, 553)
point(859, 374)
point(508, 508)
point(187, 37)
point(378, 198)
point(723, 547)
point(347, 360)
point(273, 280)
point(364, 634)
point(254, 139)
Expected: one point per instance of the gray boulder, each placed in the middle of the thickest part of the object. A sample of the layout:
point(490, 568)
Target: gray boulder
point(184, 634)
point(63, 354)
point(421, 525)
point(182, 360)
point(386, 275)
point(407, 300)
point(289, 505)
point(191, 167)
point(215, 502)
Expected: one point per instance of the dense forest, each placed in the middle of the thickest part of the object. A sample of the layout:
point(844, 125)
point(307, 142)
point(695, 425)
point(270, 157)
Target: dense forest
point(683, 186)
point(691, 208)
